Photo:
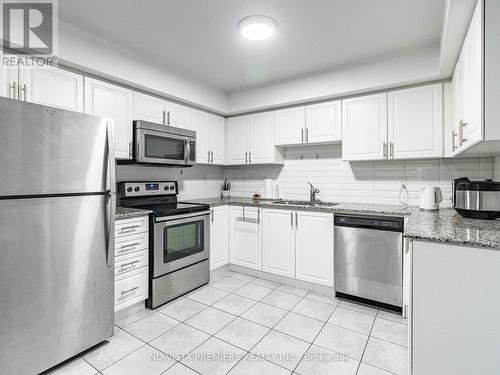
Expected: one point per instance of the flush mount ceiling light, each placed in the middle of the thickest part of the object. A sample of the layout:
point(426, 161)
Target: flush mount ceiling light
point(257, 27)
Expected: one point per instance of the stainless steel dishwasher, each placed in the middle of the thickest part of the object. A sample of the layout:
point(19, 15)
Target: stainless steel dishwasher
point(369, 258)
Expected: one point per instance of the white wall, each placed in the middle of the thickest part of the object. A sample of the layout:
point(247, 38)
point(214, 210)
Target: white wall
point(405, 68)
point(360, 182)
point(87, 52)
point(200, 181)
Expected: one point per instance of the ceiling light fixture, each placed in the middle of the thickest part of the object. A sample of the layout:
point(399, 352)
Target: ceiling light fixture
point(257, 27)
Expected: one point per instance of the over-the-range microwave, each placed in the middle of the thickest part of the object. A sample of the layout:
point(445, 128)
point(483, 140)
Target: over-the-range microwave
point(162, 144)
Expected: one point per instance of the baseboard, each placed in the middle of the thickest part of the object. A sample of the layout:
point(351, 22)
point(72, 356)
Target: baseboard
point(282, 279)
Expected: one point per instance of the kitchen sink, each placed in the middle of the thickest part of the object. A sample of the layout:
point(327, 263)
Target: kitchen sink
point(304, 203)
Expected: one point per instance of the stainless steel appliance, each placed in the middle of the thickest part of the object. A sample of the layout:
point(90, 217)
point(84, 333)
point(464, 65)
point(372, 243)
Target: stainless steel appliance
point(369, 258)
point(162, 144)
point(476, 199)
point(57, 207)
point(179, 238)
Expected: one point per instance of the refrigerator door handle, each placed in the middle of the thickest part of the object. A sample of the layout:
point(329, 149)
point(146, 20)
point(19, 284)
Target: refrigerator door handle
point(110, 235)
point(110, 145)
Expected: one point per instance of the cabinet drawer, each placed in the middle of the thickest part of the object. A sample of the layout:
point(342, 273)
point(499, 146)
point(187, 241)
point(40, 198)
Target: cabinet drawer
point(130, 244)
point(130, 262)
point(130, 288)
point(135, 225)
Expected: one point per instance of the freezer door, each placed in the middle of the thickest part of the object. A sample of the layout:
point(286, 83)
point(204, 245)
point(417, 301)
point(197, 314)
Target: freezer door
point(44, 150)
point(56, 288)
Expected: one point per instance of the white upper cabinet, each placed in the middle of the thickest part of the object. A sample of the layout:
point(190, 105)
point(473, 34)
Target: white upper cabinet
point(290, 126)
point(200, 124)
point(251, 140)
point(219, 237)
point(261, 138)
point(114, 102)
point(364, 127)
point(237, 150)
point(177, 115)
point(415, 121)
point(9, 78)
point(467, 89)
point(323, 122)
point(217, 139)
point(52, 87)
point(314, 247)
point(149, 108)
point(278, 242)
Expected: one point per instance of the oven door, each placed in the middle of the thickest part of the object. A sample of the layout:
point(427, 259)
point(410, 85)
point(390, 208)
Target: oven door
point(162, 148)
point(180, 241)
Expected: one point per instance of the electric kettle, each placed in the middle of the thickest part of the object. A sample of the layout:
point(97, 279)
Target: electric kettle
point(430, 197)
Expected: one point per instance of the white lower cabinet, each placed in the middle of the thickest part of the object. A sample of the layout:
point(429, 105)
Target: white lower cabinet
point(278, 242)
point(314, 247)
point(245, 238)
point(219, 237)
point(298, 244)
point(131, 261)
point(455, 310)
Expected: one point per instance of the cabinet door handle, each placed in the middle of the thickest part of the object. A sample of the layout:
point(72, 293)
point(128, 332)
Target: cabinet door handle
point(124, 265)
point(301, 135)
point(307, 135)
point(208, 157)
point(164, 117)
point(296, 221)
point(461, 138)
point(453, 135)
point(258, 215)
point(129, 246)
point(391, 146)
point(212, 215)
point(291, 219)
point(212, 157)
point(129, 290)
point(13, 88)
point(130, 150)
point(249, 157)
point(385, 150)
point(23, 91)
point(246, 157)
point(168, 118)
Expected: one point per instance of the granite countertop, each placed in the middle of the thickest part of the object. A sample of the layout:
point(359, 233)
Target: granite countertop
point(126, 212)
point(443, 226)
point(448, 226)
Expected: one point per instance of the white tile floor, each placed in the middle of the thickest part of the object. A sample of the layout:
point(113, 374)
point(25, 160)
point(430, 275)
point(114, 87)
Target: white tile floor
point(241, 325)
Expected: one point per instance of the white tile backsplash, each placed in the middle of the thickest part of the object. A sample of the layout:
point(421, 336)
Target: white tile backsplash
point(361, 182)
point(199, 181)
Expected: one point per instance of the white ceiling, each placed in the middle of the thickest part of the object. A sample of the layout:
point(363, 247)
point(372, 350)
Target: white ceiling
point(199, 37)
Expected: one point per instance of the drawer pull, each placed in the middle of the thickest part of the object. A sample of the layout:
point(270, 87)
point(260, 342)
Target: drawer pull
point(129, 228)
point(130, 290)
point(129, 246)
point(129, 264)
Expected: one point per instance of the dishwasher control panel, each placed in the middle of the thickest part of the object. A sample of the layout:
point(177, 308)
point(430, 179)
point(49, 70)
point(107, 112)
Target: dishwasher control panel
point(371, 222)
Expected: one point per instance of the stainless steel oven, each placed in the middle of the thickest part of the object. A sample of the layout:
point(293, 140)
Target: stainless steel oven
point(162, 144)
point(180, 241)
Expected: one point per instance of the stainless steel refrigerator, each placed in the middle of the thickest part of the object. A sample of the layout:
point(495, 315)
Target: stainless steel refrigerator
point(57, 205)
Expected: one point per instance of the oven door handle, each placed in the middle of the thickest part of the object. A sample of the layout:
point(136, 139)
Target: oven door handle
point(179, 217)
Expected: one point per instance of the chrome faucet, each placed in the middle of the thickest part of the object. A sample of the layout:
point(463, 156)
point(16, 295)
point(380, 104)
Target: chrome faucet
point(312, 194)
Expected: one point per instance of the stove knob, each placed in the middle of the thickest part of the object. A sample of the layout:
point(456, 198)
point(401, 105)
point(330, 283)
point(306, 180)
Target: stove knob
point(166, 187)
point(129, 189)
point(137, 188)
point(172, 187)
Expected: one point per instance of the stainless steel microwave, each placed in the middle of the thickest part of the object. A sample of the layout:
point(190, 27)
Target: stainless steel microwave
point(163, 144)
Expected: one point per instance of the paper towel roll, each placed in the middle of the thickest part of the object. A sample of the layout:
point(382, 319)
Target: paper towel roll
point(268, 188)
